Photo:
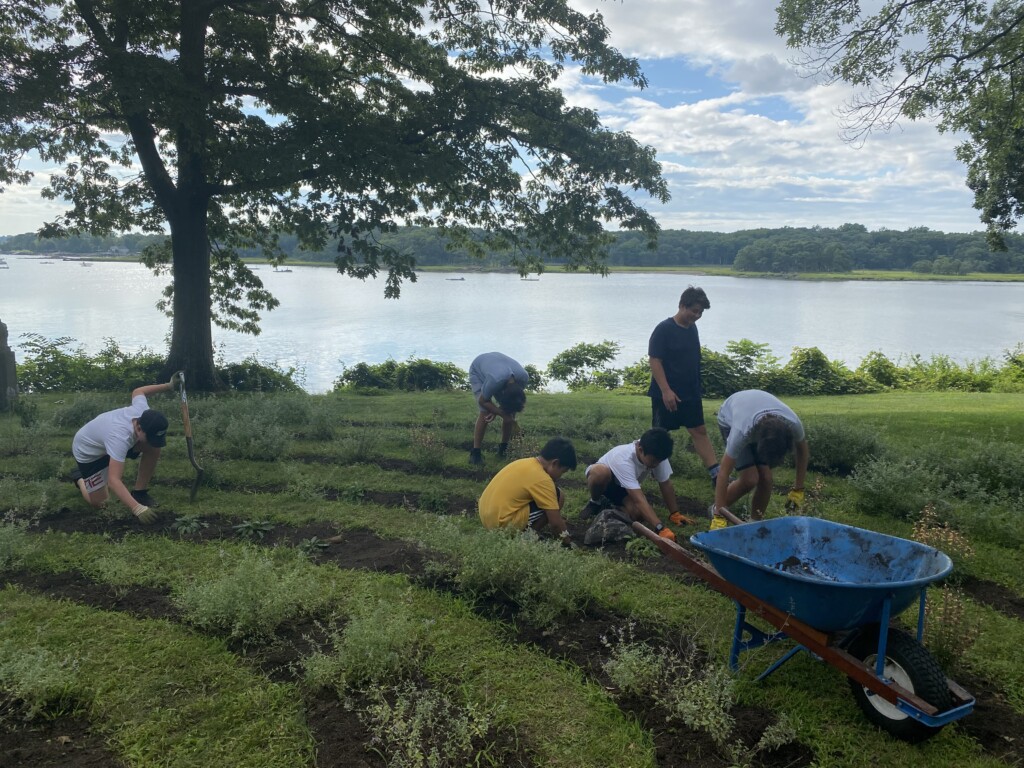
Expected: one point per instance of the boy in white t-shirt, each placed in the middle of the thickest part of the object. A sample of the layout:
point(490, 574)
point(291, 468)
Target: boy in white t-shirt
point(101, 447)
point(617, 476)
point(759, 430)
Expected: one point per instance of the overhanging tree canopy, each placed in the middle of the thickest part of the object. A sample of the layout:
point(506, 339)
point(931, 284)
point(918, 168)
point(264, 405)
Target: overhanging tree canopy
point(958, 60)
point(230, 121)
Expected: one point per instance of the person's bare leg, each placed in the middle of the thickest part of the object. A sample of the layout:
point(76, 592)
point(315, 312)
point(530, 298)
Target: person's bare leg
point(479, 429)
point(597, 480)
point(702, 445)
point(762, 494)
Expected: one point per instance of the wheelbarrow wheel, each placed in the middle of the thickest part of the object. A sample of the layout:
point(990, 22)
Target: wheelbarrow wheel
point(910, 665)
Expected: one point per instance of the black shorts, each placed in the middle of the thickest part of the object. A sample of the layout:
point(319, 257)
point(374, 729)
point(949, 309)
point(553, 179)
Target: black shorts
point(688, 413)
point(615, 493)
point(536, 513)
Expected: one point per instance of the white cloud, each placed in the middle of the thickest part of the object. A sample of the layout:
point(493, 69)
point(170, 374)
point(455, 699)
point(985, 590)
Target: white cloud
point(744, 140)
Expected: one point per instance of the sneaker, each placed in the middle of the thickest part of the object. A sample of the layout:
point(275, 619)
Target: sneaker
point(678, 518)
point(144, 498)
point(710, 515)
point(591, 509)
point(475, 457)
point(666, 533)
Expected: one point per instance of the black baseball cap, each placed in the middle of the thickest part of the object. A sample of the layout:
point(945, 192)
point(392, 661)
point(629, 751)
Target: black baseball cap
point(154, 424)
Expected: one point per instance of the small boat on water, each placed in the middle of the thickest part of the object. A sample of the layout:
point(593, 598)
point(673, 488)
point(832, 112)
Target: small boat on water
point(86, 263)
point(4, 264)
point(278, 269)
point(455, 279)
point(530, 279)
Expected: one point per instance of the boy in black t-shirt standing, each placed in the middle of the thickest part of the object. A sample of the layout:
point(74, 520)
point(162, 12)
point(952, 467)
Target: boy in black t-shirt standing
point(675, 390)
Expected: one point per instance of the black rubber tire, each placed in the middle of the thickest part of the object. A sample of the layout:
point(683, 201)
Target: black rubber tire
point(911, 665)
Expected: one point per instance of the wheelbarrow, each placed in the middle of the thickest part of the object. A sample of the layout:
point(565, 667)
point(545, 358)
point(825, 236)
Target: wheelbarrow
point(834, 589)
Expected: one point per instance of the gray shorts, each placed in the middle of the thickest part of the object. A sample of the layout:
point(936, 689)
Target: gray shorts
point(745, 458)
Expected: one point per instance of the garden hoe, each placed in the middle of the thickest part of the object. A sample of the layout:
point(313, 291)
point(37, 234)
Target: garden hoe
point(188, 437)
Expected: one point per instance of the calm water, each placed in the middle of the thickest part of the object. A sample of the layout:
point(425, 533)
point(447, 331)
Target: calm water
point(327, 321)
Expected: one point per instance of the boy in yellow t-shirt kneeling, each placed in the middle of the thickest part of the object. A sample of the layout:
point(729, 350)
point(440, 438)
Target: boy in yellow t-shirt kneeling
point(524, 493)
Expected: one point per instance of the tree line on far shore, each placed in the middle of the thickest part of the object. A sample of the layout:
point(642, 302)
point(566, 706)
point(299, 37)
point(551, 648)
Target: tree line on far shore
point(782, 250)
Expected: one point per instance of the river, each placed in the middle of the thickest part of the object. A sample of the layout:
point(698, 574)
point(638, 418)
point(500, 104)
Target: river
point(327, 321)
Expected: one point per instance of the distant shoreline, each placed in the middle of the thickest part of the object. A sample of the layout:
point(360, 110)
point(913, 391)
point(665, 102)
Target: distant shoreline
point(879, 275)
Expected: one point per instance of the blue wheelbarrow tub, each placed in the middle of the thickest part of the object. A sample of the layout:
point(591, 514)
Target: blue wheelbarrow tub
point(828, 575)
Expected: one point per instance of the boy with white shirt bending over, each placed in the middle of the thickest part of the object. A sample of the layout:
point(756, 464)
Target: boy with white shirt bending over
point(618, 474)
point(102, 446)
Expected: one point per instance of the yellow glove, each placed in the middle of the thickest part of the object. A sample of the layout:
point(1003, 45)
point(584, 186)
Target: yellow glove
point(795, 499)
point(146, 515)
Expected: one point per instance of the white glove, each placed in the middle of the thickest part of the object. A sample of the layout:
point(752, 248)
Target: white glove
point(145, 514)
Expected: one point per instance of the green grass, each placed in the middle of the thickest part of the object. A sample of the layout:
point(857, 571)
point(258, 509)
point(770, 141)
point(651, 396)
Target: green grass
point(175, 694)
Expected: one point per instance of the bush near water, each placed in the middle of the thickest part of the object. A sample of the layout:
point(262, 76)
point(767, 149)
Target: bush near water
point(59, 365)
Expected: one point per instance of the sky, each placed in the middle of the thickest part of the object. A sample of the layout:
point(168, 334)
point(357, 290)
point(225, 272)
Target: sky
point(744, 139)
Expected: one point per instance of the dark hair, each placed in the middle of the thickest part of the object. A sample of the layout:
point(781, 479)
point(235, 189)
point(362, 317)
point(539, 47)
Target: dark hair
point(770, 440)
point(694, 295)
point(656, 442)
point(511, 398)
point(562, 449)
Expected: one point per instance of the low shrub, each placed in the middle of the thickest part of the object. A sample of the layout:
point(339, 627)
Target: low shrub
point(414, 375)
point(415, 727)
point(56, 365)
point(82, 409)
point(252, 597)
point(250, 375)
point(838, 446)
point(359, 445)
point(380, 644)
point(534, 574)
point(897, 486)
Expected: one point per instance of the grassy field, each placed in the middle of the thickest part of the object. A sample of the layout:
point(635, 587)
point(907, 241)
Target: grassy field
point(331, 599)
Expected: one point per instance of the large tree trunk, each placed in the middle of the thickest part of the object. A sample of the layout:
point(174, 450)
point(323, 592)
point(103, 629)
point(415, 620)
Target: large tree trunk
point(192, 335)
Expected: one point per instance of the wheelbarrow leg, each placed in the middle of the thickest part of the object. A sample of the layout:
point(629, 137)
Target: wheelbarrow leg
point(757, 639)
point(883, 637)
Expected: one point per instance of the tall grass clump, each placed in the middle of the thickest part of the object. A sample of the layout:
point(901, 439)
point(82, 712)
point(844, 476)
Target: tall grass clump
point(902, 486)
point(83, 408)
point(535, 575)
point(247, 427)
point(39, 679)
point(252, 596)
point(838, 446)
point(897, 486)
point(380, 644)
point(26, 501)
point(359, 445)
point(15, 545)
